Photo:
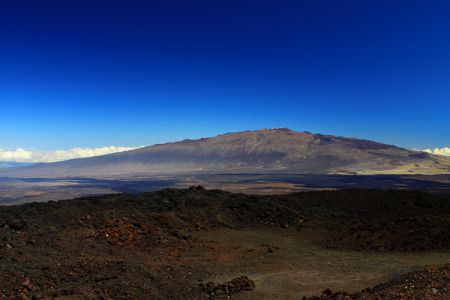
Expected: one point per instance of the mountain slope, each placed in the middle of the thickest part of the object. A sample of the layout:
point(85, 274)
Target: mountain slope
point(13, 164)
point(267, 150)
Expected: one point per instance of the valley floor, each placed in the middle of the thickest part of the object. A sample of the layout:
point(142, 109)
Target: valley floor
point(24, 190)
point(286, 264)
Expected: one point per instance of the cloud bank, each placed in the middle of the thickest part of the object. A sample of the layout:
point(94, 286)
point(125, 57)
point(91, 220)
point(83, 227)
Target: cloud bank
point(23, 155)
point(439, 151)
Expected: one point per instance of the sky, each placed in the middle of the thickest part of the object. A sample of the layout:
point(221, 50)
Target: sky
point(96, 74)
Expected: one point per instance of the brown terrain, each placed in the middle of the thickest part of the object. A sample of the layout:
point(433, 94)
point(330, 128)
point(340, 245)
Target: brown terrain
point(209, 244)
point(24, 190)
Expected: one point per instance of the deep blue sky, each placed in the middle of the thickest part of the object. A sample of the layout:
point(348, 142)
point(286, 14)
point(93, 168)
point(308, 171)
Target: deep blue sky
point(94, 73)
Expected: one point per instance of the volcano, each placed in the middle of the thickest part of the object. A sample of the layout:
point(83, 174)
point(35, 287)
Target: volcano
point(274, 151)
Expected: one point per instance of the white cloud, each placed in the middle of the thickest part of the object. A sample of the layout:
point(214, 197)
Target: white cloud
point(22, 155)
point(439, 151)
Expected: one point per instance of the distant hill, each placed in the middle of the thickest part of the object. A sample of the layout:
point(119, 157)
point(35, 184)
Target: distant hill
point(13, 164)
point(261, 151)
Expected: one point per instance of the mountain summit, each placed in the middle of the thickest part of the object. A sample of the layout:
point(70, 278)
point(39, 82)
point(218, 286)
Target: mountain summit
point(279, 150)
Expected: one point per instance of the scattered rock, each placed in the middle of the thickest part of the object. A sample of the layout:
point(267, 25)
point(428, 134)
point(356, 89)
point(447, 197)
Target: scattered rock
point(133, 246)
point(416, 286)
point(17, 225)
point(236, 285)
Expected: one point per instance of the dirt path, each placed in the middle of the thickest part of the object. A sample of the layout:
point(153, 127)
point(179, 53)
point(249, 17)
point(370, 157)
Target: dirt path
point(286, 264)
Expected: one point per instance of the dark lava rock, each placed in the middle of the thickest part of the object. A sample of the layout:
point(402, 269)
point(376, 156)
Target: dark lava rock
point(234, 286)
point(17, 225)
point(94, 247)
point(433, 283)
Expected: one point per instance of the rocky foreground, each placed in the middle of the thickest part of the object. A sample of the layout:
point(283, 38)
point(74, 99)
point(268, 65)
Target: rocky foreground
point(433, 283)
point(144, 246)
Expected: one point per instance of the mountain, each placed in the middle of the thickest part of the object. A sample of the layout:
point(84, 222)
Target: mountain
point(13, 164)
point(262, 151)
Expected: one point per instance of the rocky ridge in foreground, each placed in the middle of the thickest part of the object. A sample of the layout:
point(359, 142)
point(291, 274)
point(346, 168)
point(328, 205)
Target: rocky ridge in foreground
point(151, 246)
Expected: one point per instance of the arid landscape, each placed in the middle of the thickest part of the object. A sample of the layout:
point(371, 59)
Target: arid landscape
point(209, 244)
point(266, 161)
point(202, 150)
point(23, 190)
point(226, 217)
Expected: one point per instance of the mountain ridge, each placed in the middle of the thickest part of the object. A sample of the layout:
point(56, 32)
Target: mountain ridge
point(265, 150)
point(14, 164)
